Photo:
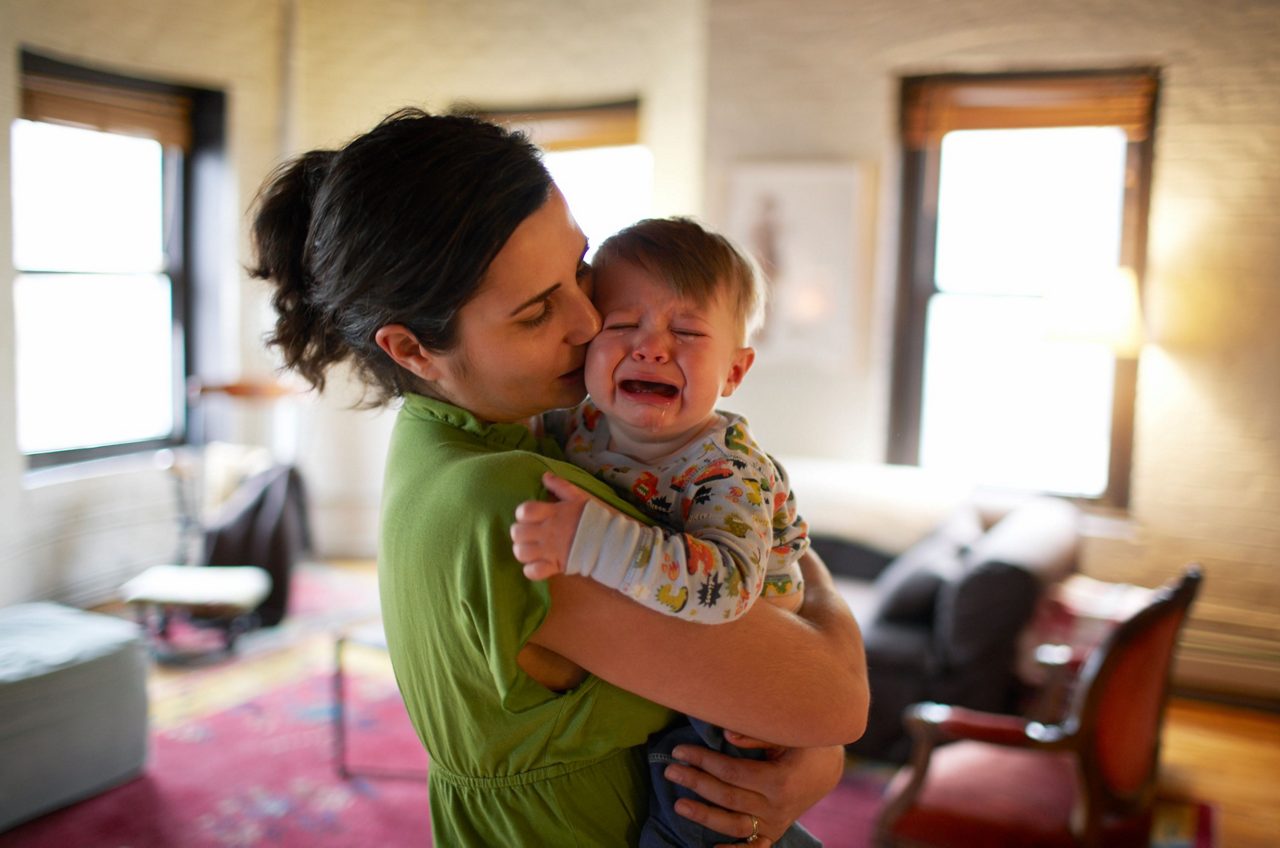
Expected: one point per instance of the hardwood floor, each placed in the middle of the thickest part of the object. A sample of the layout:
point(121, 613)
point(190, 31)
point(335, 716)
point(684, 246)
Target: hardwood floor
point(1229, 757)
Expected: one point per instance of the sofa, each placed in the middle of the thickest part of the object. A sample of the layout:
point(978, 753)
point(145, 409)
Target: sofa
point(942, 577)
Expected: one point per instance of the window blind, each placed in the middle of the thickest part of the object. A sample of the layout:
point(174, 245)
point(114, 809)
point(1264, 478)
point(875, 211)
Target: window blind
point(574, 128)
point(934, 106)
point(159, 115)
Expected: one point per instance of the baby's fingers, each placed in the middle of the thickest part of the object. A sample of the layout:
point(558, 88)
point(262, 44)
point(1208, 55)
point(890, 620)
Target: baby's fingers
point(562, 489)
point(541, 569)
point(533, 512)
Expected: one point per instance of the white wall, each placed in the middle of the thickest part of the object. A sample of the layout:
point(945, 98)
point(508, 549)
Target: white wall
point(819, 80)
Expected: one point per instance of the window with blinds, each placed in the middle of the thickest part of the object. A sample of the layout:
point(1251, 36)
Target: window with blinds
point(102, 210)
point(1022, 193)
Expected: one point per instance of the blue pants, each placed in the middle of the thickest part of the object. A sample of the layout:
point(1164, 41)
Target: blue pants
point(667, 829)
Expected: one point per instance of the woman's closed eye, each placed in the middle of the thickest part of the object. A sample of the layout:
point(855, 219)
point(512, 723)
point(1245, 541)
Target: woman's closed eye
point(541, 318)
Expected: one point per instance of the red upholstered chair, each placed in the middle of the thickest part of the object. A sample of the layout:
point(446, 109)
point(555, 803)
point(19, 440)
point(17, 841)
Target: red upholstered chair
point(1086, 780)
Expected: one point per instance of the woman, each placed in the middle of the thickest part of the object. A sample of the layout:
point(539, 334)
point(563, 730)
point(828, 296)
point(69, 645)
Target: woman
point(435, 256)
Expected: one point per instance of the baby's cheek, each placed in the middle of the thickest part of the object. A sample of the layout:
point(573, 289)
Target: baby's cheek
point(599, 367)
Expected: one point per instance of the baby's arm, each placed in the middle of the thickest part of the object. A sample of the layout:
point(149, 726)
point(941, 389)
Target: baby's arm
point(784, 583)
point(712, 572)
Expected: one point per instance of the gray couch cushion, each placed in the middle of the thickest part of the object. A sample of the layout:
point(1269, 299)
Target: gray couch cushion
point(1042, 535)
point(908, 588)
point(980, 615)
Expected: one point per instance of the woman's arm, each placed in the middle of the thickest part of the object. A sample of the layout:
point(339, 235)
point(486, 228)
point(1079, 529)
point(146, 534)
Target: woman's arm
point(799, 681)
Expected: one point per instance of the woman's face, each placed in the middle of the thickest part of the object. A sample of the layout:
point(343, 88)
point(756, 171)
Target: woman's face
point(522, 338)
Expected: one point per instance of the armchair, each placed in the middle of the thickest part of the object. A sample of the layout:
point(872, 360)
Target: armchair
point(1087, 780)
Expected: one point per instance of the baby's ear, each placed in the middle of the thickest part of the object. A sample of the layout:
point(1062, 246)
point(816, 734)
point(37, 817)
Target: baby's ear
point(743, 358)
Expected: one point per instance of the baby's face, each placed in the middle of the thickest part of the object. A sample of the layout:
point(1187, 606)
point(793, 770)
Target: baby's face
point(660, 362)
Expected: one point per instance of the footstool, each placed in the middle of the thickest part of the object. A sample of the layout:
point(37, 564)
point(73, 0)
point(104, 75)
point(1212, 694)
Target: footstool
point(224, 597)
point(73, 707)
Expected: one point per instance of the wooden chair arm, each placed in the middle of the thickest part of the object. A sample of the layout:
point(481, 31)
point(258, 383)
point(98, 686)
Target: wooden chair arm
point(933, 723)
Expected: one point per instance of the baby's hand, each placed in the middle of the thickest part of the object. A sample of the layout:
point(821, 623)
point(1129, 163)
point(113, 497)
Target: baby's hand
point(543, 533)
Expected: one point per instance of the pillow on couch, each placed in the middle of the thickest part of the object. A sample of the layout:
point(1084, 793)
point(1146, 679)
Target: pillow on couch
point(1034, 546)
point(908, 587)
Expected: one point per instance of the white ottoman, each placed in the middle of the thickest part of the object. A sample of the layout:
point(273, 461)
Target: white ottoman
point(73, 707)
point(223, 597)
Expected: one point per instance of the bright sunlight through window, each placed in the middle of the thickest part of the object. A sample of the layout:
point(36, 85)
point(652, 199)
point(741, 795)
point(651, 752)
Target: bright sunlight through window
point(95, 346)
point(607, 188)
point(1019, 212)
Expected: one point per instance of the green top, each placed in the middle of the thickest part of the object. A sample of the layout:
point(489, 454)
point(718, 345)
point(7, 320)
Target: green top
point(512, 763)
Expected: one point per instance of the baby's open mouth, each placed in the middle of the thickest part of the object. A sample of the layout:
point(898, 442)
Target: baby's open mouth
point(645, 387)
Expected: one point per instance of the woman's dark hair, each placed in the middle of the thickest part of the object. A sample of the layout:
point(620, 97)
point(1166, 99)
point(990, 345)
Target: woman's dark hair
point(398, 227)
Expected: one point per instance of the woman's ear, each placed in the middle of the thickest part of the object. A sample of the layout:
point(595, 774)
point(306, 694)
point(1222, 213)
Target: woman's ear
point(743, 358)
point(398, 342)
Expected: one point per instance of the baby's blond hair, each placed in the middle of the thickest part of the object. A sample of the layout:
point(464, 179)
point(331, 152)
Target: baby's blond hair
point(696, 263)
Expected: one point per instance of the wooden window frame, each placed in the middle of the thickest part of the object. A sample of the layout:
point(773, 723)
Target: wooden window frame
point(935, 105)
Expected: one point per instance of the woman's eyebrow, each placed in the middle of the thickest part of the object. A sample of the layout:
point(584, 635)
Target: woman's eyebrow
point(543, 295)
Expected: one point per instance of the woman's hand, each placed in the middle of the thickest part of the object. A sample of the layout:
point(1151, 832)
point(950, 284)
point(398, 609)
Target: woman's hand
point(743, 794)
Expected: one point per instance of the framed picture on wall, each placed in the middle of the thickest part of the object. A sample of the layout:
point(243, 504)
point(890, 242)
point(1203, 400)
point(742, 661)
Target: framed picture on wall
point(806, 225)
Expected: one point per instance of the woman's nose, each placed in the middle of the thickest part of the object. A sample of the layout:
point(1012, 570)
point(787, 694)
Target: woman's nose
point(584, 320)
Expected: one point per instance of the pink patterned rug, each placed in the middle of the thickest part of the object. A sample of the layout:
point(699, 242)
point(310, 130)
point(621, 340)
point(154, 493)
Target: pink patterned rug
point(261, 773)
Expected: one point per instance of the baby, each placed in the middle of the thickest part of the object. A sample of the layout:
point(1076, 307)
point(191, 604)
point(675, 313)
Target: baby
point(678, 305)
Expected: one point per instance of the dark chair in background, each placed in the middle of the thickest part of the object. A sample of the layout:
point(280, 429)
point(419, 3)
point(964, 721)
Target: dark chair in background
point(243, 526)
point(240, 579)
point(264, 523)
point(1088, 780)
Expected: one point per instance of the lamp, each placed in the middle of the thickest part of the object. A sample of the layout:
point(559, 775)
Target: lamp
point(1103, 310)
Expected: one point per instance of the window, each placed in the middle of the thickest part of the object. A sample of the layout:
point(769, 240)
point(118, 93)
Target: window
point(103, 231)
point(594, 156)
point(1021, 193)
